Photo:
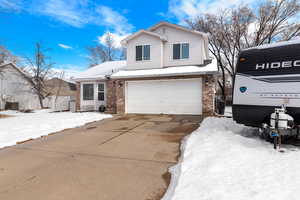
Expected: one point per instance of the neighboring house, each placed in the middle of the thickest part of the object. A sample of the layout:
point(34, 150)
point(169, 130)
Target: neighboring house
point(60, 87)
point(15, 90)
point(61, 92)
point(167, 71)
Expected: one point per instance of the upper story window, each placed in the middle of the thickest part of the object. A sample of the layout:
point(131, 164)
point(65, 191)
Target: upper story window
point(88, 91)
point(142, 52)
point(181, 51)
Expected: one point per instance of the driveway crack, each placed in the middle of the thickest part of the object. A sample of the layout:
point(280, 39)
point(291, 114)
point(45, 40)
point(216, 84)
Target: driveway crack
point(122, 133)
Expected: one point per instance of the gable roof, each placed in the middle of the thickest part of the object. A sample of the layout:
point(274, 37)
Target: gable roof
point(101, 71)
point(13, 66)
point(20, 71)
point(140, 33)
point(164, 23)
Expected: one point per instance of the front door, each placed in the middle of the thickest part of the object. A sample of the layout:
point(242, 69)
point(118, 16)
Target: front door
point(100, 96)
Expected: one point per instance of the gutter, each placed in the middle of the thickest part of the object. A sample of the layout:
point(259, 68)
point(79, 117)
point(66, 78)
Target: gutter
point(90, 79)
point(107, 77)
point(166, 75)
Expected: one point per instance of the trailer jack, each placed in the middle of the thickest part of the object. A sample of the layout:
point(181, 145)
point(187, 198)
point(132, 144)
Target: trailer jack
point(276, 140)
point(281, 125)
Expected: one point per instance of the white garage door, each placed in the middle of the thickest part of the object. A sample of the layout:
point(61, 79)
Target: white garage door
point(176, 96)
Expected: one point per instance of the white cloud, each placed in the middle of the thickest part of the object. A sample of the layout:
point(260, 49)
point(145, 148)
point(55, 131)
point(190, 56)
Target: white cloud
point(10, 5)
point(116, 24)
point(74, 13)
point(65, 46)
point(117, 38)
point(113, 20)
point(77, 13)
point(189, 9)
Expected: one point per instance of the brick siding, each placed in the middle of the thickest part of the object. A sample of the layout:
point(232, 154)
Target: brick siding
point(78, 92)
point(115, 95)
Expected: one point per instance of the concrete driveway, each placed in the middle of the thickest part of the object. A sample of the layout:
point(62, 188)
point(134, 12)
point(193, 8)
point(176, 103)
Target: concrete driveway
point(126, 157)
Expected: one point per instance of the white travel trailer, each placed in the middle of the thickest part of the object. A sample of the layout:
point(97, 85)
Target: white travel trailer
point(267, 79)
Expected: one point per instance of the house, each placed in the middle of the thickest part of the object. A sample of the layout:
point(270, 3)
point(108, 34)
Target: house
point(61, 92)
point(16, 92)
point(60, 87)
point(167, 71)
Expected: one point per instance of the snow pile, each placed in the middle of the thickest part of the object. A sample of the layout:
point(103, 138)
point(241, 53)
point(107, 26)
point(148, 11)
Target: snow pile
point(169, 71)
point(226, 161)
point(24, 126)
point(102, 70)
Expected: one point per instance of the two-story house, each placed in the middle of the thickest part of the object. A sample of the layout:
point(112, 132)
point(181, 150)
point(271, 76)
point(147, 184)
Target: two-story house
point(167, 71)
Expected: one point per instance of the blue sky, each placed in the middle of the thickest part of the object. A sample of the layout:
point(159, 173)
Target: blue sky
point(67, 27)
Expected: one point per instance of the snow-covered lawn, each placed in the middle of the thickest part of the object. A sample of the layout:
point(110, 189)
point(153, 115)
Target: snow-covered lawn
point(24, 126)
point(226, 161)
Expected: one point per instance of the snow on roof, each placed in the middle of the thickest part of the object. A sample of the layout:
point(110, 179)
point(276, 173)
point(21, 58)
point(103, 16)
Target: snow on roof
point(169, 71)
point(277, 44)
point(101, 71)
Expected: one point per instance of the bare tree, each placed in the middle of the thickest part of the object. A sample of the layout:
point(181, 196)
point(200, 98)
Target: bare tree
point(59, 87)
point(6, 56)
point(236, 29)
point(123, 54)
point(39, 70)
point(103, 52)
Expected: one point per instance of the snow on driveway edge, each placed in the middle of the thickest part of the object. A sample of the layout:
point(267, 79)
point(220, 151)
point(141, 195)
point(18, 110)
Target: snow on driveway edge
point(223, 160)
point(176, 169)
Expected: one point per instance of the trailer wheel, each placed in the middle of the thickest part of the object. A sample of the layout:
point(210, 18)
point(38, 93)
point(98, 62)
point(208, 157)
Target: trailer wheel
point(268, 138)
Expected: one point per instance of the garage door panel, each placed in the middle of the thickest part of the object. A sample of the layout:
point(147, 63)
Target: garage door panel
point(180, 96)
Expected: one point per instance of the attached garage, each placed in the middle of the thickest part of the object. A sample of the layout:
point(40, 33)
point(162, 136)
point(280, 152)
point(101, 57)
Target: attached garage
point(164, 96)
point(181, 90)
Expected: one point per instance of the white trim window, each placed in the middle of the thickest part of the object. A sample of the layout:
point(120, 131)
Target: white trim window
point(142, 52)
point(101, 93)
point(181, 51)
point(88, 91)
